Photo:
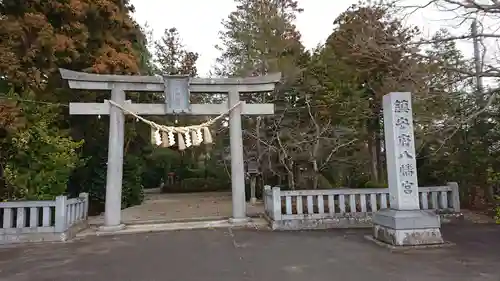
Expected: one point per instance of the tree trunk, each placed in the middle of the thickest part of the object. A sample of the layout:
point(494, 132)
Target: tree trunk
point(259, 152)
point(316, 174)
point(315, 155)
point(3, 187)
point(378, 150)
point(291, 180)
point(373, 157)
point(289, 166)
point(374, 141)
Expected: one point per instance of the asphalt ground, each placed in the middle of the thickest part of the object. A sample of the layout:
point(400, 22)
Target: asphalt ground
point(237, 255)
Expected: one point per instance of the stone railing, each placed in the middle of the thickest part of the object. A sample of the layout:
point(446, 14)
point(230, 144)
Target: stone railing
point(36, 221)
point(335, 208)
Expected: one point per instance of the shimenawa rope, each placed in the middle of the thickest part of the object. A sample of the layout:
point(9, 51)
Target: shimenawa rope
point(192, 134)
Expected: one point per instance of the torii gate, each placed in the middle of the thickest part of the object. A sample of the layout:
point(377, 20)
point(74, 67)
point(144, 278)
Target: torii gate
point(176, 89)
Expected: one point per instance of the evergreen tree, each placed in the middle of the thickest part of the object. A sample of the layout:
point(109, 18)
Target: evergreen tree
point(259, 37)
point(171, 56)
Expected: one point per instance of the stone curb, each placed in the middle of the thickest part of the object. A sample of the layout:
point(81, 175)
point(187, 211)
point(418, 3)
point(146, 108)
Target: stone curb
point(159, 227)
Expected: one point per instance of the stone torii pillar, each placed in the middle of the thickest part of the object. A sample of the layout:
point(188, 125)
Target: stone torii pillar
point(177, 89)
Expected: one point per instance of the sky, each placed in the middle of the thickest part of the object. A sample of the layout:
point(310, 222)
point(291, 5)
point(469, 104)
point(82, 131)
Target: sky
point(199, 21)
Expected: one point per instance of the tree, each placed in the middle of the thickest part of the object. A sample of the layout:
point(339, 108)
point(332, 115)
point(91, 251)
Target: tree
point(10, 120)
point(472, 133)
point(171, 56)
point(369, 55)
point(94, 36)
point(91, 35)
point(259, 37)
point(30, 146)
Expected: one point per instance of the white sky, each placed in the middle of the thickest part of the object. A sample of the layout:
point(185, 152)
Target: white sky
point(199, 22)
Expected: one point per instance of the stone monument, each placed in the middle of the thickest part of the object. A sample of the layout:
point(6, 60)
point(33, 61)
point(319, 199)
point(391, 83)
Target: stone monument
point(404, 224)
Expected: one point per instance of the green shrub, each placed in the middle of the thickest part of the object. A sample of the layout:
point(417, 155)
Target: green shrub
point(152, 176)
point(203, 169)
point(214, 170)
point(42, 157)
point(92, 179)
point(133, 191)
point(497, 210)
point(158, 164)
point(197, 185)
point(371, 184)
point(494, 179)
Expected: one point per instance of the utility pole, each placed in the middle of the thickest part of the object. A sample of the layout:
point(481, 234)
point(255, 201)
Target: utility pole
point(477, 57)
point(478, 63)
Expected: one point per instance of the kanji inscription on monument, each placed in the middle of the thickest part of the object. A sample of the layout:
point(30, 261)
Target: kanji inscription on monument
point(400, 151)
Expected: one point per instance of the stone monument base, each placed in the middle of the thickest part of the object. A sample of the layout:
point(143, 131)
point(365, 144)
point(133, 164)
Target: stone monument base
point(407, 228)
point(110, 228)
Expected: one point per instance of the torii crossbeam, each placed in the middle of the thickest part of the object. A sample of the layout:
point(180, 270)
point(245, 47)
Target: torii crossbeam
point(177, 89)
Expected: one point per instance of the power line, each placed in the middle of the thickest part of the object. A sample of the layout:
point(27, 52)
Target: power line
point(34, 101)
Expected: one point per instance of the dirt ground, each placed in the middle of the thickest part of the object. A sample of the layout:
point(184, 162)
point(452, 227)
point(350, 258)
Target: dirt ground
point(159, 208)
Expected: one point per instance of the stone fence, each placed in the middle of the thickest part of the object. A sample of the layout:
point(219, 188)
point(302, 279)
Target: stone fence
point(345, 207)
point(37, 221)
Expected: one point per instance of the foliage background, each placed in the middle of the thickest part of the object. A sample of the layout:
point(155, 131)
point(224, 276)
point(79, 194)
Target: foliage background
point(327, 131)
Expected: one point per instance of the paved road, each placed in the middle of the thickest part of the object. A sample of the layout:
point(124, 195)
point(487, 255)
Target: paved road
point(237, 255)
